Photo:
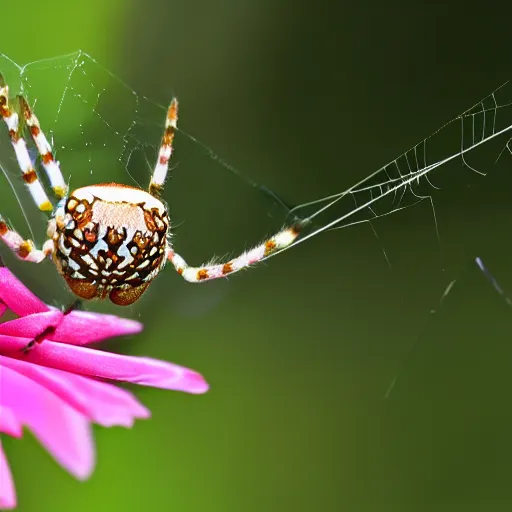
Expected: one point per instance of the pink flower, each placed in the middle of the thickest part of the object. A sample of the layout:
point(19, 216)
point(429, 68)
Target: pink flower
point(57, 389)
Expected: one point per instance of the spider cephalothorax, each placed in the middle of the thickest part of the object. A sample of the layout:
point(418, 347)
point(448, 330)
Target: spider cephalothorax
point(109, 240)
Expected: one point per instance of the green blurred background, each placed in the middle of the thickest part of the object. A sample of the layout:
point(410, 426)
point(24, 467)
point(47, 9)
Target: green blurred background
point(307, 99)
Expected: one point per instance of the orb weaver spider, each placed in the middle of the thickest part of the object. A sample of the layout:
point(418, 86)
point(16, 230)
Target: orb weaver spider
point(109, 240)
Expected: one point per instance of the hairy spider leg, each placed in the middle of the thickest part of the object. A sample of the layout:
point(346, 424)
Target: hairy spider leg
point(51, 166)
point(22, 248)
point(209, 271)
point(164, 154)
point(11, 119)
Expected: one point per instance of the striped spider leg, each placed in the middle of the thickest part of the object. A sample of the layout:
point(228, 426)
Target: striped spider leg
point(25, 249)
point(207, 272)
point(109, 240)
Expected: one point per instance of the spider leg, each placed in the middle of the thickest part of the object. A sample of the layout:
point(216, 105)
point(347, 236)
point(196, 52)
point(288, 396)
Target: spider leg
point(208, 272)
point(24, 249)
point(51, 166)
point(164, 154)
point(11, 119)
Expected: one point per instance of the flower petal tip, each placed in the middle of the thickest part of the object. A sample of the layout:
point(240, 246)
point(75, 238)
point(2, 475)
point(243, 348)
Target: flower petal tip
point(7, 503)
point(7, 491)
point(83, 469)
point(194, 383)
point(84, 475)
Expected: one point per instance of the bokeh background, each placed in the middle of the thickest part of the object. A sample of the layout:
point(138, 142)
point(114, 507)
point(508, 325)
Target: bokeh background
point(306, 98)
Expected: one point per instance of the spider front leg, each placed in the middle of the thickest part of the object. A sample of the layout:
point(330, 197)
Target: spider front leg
point(164, 154)
point(19, 145)
point(51, 166)
point(208, 272)
point(24, 249)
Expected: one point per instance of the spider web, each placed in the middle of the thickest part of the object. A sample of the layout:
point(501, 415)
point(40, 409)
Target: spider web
point(99, 126)
point(475, 141)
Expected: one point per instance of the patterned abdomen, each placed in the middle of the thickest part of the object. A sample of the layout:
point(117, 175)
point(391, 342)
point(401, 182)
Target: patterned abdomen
point(110, 240)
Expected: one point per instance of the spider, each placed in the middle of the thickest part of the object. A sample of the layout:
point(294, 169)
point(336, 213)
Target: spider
point(109, 240)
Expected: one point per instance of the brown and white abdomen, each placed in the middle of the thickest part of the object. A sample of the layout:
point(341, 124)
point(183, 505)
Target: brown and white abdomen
point(110, 240)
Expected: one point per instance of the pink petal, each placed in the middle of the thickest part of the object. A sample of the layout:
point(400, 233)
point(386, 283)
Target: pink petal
point(64, 432)
point(9, 424)
point(77, 328)
point(17, 297)
point(101, 402)
point(3, 308)
point(83, 327)
point(96, 363)
point(31, 325)
point(7, 491)
point(111, 406)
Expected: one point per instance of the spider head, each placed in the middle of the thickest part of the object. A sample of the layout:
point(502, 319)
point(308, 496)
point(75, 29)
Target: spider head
point(110, 240)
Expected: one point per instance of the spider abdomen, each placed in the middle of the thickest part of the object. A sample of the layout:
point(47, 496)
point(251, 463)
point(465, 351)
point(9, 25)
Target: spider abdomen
point(110, 240)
